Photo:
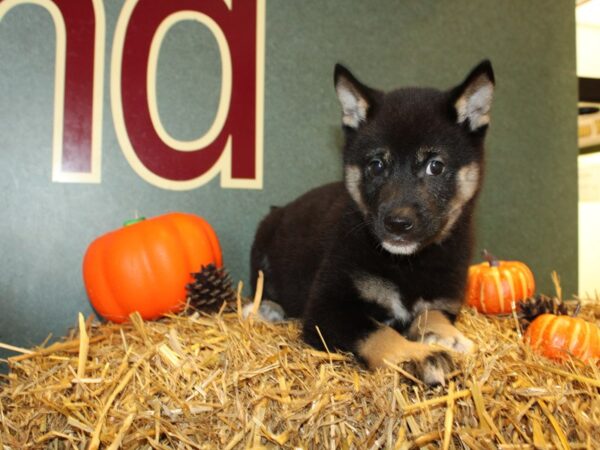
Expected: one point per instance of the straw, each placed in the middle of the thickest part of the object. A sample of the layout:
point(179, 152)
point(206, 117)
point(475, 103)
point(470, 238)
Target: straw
point(218, 381)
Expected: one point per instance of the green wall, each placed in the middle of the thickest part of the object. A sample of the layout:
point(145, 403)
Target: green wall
point(528, 210)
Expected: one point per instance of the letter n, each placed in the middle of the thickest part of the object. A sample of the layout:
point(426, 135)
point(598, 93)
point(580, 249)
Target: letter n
point(78, 84)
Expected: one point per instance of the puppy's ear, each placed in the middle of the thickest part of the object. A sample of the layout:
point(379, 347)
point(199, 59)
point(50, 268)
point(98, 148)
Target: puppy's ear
point(357, 100)
point(472, 100)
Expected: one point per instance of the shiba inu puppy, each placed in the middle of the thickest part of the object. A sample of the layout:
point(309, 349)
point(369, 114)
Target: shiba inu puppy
point(376, 265)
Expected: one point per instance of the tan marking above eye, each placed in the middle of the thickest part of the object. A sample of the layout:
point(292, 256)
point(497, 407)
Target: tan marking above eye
point(424, 153)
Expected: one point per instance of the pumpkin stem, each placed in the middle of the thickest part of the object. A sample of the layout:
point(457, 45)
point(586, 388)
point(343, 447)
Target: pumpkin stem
point(491, 259)
point(132, 221)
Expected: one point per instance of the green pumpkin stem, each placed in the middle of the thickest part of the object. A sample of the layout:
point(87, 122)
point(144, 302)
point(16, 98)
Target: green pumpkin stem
point(130, 222)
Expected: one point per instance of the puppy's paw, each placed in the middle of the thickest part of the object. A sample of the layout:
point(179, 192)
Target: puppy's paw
point(424, 361)
point(268, 311)
point(432, 368)
point(433, 327)
point(455, 341)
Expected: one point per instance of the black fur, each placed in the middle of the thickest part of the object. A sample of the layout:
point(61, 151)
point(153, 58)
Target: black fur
point(312, 250)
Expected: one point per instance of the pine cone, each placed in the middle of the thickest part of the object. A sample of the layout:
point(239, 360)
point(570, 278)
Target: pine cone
point(210, 289)
point(538, 305)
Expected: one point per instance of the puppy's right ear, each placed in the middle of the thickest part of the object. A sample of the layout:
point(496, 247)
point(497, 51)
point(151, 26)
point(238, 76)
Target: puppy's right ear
point(357, 100)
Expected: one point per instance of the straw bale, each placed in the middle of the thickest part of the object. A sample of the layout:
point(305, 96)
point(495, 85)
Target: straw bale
point(204, 381)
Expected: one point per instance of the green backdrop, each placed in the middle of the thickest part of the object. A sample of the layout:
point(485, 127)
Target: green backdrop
point(528, 210)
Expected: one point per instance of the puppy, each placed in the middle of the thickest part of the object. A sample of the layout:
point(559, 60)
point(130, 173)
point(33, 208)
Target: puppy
point(376, 265)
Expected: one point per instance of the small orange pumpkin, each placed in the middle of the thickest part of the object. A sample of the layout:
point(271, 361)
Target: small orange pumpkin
point(493, 286)
point(557, 337)
point(146, 265)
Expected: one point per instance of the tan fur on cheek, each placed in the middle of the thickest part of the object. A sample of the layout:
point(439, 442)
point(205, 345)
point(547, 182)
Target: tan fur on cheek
point(467, 182)
point(353, 180)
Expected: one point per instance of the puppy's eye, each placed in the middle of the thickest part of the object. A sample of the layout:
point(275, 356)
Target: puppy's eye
point(434, 167)
point(376, 167)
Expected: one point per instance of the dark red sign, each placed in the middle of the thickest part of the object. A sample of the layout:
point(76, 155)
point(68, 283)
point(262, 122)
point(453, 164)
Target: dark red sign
point(233, 144)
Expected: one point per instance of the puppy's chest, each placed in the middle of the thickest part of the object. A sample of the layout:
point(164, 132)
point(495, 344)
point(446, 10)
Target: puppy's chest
point(392, 302)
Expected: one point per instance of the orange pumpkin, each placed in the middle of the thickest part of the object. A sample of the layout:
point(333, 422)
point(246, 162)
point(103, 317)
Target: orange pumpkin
point(557, 337)
point(146, 265)
point(494, 285)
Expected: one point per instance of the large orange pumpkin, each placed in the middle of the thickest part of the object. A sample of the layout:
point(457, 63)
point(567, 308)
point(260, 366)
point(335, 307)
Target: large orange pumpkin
point(557, 337)
point(146, 265)
point(494, 285)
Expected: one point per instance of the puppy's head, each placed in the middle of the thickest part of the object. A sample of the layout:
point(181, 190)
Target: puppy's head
point(413, 157)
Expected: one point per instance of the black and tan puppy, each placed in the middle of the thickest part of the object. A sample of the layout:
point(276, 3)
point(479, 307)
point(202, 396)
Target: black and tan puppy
point(378, 263)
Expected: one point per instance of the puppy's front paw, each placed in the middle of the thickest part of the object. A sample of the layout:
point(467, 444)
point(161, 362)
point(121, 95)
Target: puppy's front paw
point(433, 327)
point(424, 361)
point(455, 341)
point(432, 368)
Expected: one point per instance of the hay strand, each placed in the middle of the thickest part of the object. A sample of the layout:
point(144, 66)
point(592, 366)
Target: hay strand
point(260, 282)
point(449, 416)
point(15, 349)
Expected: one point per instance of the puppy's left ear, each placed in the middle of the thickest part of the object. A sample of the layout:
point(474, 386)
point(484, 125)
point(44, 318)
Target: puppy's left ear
point(472, 100)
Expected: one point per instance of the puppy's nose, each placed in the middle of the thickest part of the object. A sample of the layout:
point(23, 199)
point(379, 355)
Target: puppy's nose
point(398, 224)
